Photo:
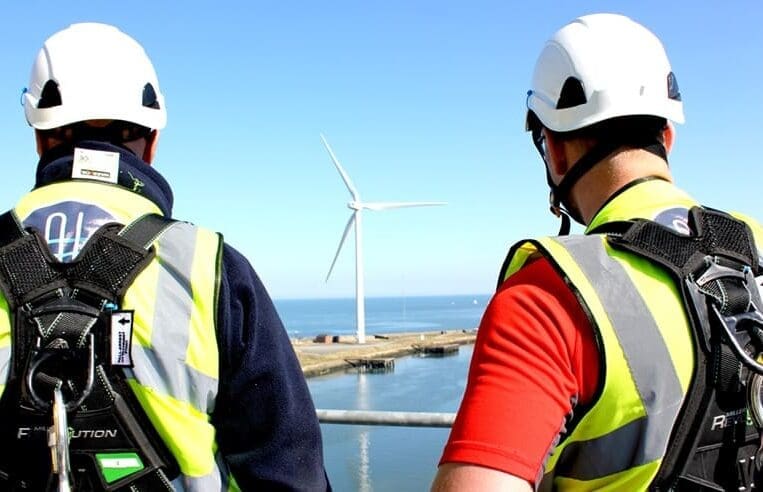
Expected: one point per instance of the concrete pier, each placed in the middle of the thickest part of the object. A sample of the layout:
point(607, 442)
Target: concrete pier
point(322, 358)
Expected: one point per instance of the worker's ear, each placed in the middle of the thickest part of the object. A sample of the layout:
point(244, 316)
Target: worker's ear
point(669, 136)
point(556, 156)
point(152, 142)
point(42, 142)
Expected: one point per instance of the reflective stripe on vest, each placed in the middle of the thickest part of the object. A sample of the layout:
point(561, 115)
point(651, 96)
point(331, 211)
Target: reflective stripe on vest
point(646, 342)
point(627, 434)
point(175, 373)
point(176, 360)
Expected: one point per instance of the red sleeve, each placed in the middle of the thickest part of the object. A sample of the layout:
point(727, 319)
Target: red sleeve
point(534, 356)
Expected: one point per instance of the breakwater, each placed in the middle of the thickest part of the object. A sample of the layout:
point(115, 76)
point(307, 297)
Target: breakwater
point(321, 355)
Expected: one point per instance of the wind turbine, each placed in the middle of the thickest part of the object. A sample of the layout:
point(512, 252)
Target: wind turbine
point(356, 205)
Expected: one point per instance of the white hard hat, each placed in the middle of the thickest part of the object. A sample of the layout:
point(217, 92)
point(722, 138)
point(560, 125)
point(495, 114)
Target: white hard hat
point(93, 71)
point(621, 66)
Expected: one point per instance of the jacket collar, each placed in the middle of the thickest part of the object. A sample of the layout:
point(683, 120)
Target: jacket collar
point(134, 174)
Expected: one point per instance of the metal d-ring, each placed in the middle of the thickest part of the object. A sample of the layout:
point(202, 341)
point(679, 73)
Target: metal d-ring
point(33, 375)
point(754, 317)
point(754, 401)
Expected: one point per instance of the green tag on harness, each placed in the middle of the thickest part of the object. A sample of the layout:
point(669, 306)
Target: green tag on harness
point(115, 466)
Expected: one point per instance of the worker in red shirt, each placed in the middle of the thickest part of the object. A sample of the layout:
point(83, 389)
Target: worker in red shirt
point(615, 360)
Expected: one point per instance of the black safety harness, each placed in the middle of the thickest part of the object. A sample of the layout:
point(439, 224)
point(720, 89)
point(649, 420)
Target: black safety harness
point(717, 442)
point(68, 419)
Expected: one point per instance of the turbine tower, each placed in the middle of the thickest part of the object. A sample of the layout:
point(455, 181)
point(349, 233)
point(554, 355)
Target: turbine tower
point(356, 205)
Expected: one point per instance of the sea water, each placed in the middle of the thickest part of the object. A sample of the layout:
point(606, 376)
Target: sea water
point(311, 317)
point(384, 458)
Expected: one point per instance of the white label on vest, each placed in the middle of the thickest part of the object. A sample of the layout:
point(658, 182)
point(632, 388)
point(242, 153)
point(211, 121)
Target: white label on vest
point(120, 463)
point(121, 338)
point(95, 164)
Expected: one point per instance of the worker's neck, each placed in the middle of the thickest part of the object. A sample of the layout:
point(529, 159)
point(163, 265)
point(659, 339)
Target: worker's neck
point(607, 177)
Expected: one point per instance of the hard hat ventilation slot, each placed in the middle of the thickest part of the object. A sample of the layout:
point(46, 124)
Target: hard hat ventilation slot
point(50, 96)
point(673, 92)
point(572, 94)
point(149, 97)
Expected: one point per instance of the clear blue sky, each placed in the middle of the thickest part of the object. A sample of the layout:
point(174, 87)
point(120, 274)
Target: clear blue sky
point(420, 100)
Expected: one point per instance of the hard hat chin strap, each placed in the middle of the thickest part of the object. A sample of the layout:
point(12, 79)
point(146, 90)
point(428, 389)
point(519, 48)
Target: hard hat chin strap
point(564, 214)
point(559, 196)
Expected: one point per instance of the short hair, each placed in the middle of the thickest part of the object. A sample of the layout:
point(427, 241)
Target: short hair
point(639, 128)
point(117, 132)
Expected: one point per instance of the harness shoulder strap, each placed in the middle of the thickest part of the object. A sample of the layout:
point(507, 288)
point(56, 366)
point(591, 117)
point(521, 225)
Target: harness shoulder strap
point(714, 268)
point(146, 229)
point(10, 229)
point(714, 233)
point(114, 256)
point(105, 264)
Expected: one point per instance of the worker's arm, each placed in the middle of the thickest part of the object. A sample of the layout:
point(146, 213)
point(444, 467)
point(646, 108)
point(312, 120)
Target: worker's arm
point(267, 429)
point(458, 477)
point(534, 357)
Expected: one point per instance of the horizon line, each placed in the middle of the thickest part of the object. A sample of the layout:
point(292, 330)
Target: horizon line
point(383, 296)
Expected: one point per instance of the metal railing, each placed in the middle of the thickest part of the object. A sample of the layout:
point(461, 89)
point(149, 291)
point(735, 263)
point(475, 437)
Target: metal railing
point(378, 417)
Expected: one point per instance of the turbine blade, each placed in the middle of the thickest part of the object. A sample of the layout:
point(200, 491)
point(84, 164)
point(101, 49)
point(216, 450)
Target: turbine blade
point(345, 177)
point(341, 242)
point(386, 205)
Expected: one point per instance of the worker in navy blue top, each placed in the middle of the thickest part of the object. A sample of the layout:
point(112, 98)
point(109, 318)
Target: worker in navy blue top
point(96, 107)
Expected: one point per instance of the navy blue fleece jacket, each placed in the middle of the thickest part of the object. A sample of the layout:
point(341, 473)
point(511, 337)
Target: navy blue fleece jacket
point(266, 425)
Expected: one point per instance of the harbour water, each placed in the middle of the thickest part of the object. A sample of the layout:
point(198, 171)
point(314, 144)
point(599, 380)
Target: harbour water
point(310, 317)
point(383, 458)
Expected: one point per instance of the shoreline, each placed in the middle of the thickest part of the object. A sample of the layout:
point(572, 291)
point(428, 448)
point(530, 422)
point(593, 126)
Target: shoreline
point(318, 358)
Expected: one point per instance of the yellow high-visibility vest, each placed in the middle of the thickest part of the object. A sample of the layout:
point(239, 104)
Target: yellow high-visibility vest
point(645, 344)
point(174, 344)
